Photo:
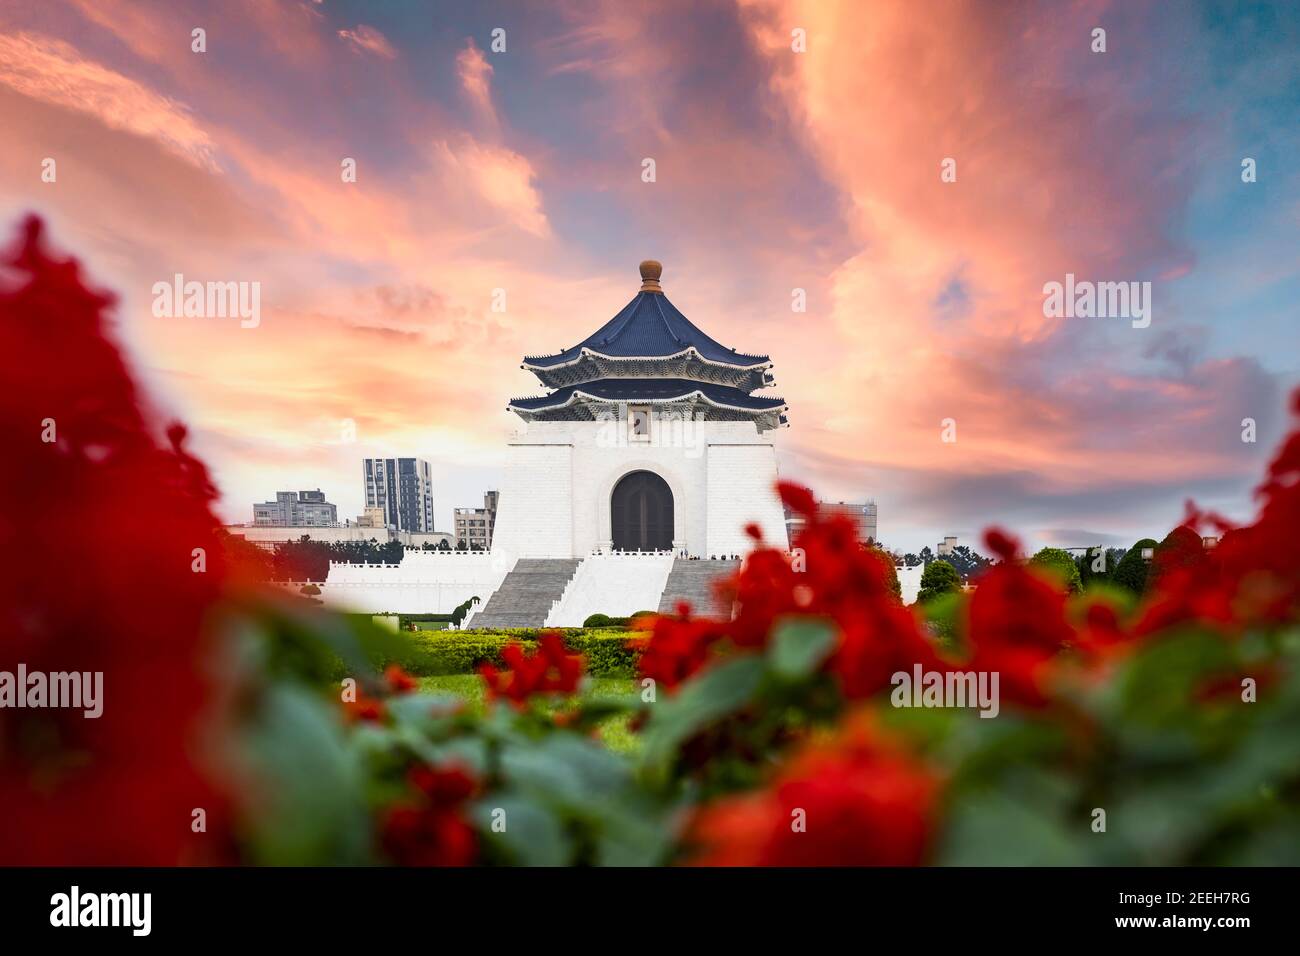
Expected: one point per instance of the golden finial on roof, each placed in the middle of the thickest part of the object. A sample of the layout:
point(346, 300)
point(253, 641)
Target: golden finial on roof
point(650, 273)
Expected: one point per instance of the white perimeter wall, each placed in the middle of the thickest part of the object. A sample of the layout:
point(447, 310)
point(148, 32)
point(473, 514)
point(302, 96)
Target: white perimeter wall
point(426, 582)
point(909, 581)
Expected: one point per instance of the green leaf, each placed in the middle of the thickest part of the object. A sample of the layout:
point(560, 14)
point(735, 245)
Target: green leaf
point(532, 836)
point(314, 810)
point(567, 770)
point(719, 691)
point(800, 645)
point(1024, 829)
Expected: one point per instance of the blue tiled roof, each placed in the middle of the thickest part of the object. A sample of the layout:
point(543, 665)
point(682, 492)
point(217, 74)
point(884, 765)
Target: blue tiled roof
point(650, 389)
point(649, 326)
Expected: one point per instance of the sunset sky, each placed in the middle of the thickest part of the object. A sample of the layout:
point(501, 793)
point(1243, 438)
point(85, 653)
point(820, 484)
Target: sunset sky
point(522, 170)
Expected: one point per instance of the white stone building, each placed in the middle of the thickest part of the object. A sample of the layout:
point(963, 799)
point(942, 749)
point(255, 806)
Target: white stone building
point(651, 440)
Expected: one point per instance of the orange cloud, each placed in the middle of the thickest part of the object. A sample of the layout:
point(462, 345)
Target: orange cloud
point(52, 70)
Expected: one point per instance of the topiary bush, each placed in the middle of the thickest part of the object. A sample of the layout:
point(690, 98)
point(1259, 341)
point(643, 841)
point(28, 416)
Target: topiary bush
point(1061, 566)
point(1131, 573)
point(597, 620)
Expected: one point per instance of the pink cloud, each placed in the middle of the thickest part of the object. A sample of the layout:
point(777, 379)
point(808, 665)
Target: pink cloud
point(476, 80)
point(370, 40)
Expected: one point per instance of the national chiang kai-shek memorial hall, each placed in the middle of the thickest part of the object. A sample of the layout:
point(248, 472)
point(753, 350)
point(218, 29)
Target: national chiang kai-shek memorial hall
point(629, 481)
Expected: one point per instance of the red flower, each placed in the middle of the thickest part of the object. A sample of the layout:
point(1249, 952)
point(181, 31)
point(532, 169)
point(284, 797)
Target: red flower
point(832, 576)
point(1017, 624)
point(549, 669)
point(365, 709)
point(432, 831)
point(86, 587)
point(675, 647)
point(399, 681)
point(1101, 631)
point(797, 498)
point(855, 801)
point(1251, 577)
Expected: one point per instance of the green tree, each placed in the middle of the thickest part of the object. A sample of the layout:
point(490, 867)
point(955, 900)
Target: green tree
point(1108, 562)
point(1131, 572)
point(967, 561)
point(1060, 565)
point(939, 577)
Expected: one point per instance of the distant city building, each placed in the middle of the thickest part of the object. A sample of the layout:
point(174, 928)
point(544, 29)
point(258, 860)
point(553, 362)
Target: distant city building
point(863, 514)
point(371, 518)
point(402, 490)
point(303, 509)
point(947, 545)
point(474, 525)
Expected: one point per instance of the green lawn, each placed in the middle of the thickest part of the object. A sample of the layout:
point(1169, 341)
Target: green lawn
point(614, 732)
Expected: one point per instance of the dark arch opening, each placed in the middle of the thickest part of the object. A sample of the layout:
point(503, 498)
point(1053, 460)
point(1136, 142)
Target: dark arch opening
point(641, 513)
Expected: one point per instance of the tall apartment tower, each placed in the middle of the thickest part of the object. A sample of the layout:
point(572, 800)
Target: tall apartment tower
point(402, 488)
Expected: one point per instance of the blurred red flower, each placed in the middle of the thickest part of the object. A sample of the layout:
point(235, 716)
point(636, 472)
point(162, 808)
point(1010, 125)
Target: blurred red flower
point(432, 830)
point(87, 584)
point(675, 647)
point(399, 682)
point(829, 573)
point(1250, 577)
point(855, 800)
point(1016, 624)
point(549, 669)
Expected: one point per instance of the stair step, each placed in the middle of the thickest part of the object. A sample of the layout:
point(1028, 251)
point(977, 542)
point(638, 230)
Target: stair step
point(526, 594)
point(692, 581)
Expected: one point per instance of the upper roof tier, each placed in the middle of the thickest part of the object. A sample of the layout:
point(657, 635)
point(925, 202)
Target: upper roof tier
point(649, 331)
point(698, 400)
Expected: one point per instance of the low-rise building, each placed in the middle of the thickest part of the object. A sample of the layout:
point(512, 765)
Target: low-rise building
point(303, 509)
point(474, 526)
point(863, 514)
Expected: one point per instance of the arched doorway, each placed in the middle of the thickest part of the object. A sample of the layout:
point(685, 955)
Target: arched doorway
point(641, 513)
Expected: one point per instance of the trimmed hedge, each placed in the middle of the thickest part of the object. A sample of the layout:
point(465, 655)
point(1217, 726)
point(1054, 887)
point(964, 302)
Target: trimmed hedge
point(461, 652)
point(604, 620)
